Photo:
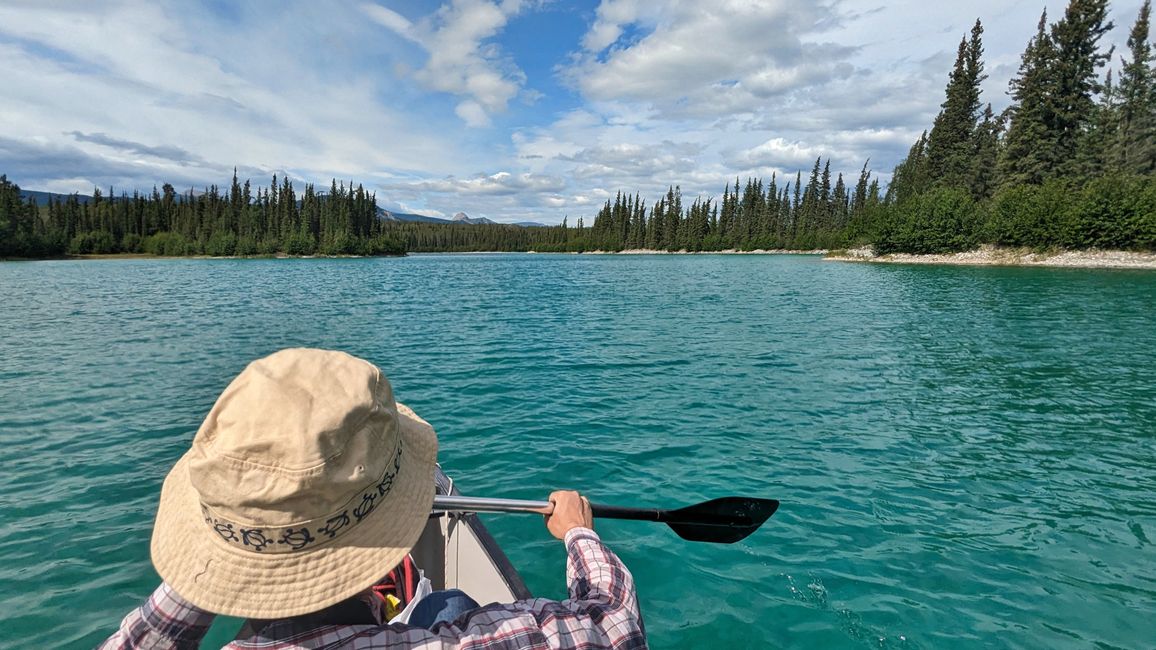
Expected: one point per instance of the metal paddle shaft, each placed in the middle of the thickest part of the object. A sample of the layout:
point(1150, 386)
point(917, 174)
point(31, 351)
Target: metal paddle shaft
point(457, 503)
point(725, 521)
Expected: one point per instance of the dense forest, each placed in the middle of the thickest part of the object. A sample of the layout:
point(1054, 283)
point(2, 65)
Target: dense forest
point(1071, 163)
point(241, 221)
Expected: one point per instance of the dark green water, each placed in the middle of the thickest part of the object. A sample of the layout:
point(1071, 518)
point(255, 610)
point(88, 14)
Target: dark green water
point(966, 456)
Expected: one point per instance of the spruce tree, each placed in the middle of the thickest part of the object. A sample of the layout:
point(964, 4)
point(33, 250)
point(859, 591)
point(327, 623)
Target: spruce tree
point(912, 176)
point(1076, 74)
point(1135, 145)
point(1099, 151)
point(950, 145)
point(1029, 148)
point(986, 155)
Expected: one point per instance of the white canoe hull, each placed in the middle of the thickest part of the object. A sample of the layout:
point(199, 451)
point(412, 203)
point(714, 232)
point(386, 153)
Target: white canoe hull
point(457, 552)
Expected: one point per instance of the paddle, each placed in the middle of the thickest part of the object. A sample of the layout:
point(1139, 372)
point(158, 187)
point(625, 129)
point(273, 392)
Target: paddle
point(723, 521)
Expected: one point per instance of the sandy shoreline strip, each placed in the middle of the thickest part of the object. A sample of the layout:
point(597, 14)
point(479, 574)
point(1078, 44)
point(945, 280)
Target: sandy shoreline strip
point(729, 251)
point(988, 255)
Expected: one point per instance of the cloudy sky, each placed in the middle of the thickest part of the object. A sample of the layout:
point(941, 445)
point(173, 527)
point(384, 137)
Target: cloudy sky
point(511, 109)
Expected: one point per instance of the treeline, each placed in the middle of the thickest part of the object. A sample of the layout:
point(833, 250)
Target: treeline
point(818, 214)
point(239, 221)
point(1070, 164)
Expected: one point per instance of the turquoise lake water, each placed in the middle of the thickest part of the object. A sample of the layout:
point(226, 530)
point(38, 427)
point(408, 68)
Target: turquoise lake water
point(966, 457)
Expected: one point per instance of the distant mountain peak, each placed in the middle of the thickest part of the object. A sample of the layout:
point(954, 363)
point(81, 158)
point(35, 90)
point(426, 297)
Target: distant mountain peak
point(462, 217)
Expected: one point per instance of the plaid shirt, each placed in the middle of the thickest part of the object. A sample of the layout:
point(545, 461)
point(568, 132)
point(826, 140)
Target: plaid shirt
point(602, 612)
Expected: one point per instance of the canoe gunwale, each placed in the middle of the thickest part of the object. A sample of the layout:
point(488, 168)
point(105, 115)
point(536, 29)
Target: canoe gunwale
point(489, 546)
point(505, 567)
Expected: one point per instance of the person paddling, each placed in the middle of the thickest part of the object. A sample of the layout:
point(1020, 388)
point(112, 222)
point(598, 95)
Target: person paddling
point(305, 485)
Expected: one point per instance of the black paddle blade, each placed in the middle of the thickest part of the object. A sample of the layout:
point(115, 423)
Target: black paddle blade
point(722, 521)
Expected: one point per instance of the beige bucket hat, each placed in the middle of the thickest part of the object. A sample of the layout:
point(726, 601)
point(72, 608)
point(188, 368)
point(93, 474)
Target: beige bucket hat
point(305, 484)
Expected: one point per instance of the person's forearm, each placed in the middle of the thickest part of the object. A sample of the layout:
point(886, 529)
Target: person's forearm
point(164, 621)
point(595, 574)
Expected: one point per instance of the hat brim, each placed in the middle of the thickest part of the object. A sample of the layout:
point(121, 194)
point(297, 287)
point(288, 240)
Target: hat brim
point(224, 579)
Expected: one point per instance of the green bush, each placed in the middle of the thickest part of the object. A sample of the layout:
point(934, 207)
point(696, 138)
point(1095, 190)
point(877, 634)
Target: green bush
point(169, 244)
point(1112, 212)
point(338, 244)
point(246, 246)
point(300, 244)
point(92, 243)
point(384, 245)
point(1032, 215)
point(31, 245)
point(130, 243)
point(221, 244)
point(268, 246)
point(943, 220)
point(1145, 216)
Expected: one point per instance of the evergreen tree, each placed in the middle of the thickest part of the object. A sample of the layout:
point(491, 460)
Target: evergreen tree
point(1135, 145)
point(912, 176)
point(984, 163)
point(1099, 151)
point(951, 143)
point(1030, 147)
point(1076, 75)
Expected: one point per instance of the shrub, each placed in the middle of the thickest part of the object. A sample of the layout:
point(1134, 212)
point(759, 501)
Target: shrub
point(221, 244)
point(246, 246)
point(170, 244)
point(92, 243)
point(943, 220)
point(130, 243)
point(1112, 212)
point(300, 244)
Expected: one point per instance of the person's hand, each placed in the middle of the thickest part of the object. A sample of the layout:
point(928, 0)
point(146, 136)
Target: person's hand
point(571, 510)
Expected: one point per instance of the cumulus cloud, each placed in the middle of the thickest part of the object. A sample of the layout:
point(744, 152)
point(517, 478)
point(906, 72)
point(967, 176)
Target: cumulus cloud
point(632, 162)
point(472, 113)
point(463, 59)
point(777, 152)
point(706, 58)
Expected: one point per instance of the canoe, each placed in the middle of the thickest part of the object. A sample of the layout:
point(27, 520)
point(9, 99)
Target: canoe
point(457, 552)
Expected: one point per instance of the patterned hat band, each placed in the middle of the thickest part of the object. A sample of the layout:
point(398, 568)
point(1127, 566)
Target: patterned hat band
point(306, 535)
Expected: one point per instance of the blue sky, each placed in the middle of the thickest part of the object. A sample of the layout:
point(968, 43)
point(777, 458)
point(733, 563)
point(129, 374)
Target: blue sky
point(515, 110)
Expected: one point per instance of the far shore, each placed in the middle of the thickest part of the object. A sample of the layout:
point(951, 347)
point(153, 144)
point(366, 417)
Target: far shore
point(988, 255)
point(729, 251)
point(146, 256)
point(638, 251)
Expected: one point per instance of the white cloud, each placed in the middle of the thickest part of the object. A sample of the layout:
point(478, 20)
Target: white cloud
point(463, 59)
point(222, 94)
point(777, 152)
point(472, 113)
point(501, 183)
point(391, 20)
point(705, 58)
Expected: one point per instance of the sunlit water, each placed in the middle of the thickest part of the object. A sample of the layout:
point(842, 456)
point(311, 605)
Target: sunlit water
point(966, 457)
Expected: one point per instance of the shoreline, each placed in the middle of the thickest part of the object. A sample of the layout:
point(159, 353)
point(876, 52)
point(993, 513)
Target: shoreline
point(146, 256)
point(728, 251)
point(990, 255)
point(283, 256)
